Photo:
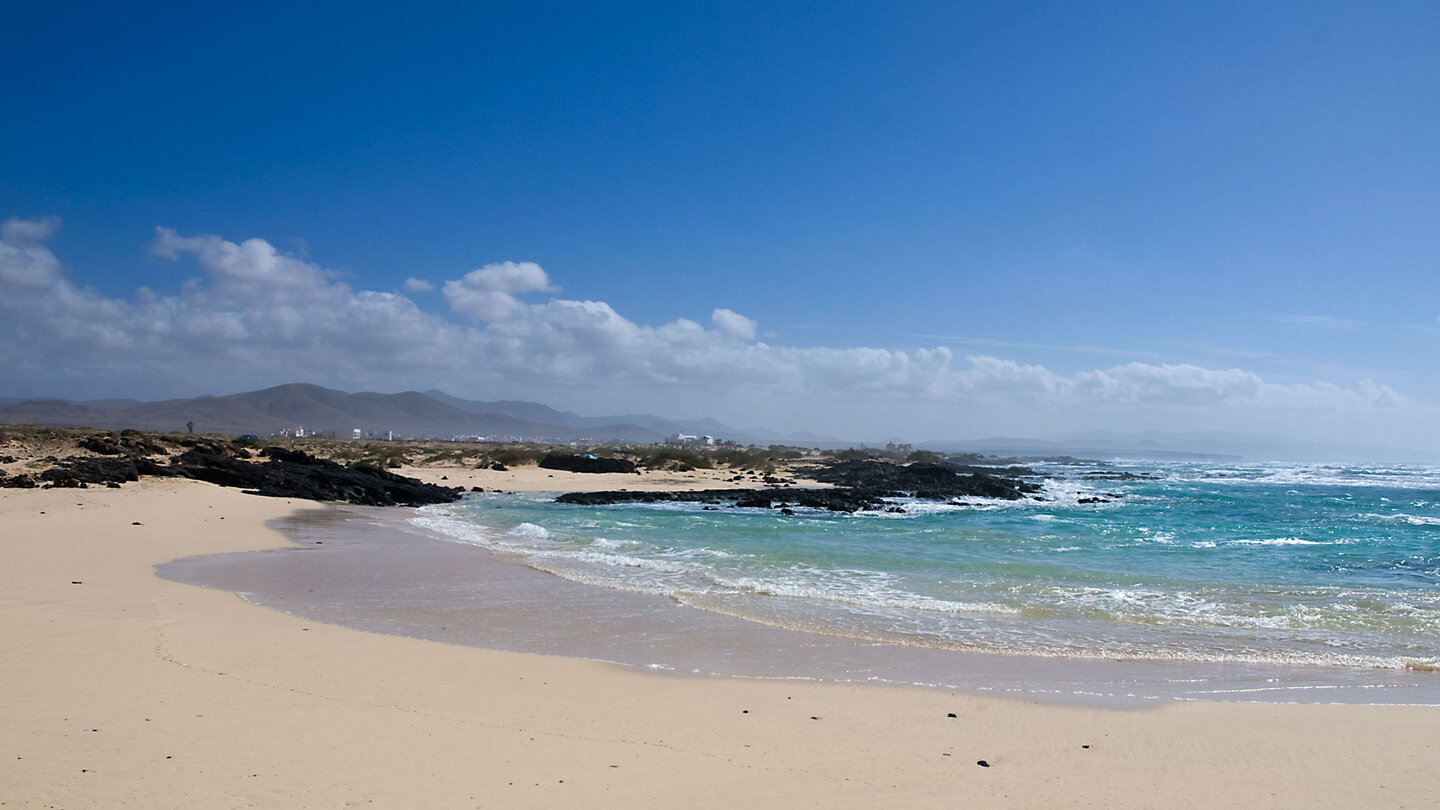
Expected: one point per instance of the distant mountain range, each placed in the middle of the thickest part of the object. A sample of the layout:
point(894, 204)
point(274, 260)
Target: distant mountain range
point(317, 410)
point(437, 415)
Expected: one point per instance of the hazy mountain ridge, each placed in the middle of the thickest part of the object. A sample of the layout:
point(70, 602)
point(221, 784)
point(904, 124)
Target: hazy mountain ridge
point(435, 414)
point(325, 411)
point(544, 414)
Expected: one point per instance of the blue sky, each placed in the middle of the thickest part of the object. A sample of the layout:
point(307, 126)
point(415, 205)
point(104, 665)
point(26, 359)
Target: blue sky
point(922, 220)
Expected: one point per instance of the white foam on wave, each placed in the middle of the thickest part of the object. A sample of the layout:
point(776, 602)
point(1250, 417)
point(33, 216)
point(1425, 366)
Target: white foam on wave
point(531, 531)
point(1413, 520)
point(858, 589)
point(1311, 475)
point(1279, 541)
point(454, 527)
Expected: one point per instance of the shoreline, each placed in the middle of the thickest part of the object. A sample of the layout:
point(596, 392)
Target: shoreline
point(467, 593)
point(126, 688)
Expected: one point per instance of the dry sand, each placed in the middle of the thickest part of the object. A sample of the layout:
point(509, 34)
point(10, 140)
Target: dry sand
point(121, 689)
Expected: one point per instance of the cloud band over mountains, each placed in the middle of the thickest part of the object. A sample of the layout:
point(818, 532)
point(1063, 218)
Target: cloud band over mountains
point(255, 316)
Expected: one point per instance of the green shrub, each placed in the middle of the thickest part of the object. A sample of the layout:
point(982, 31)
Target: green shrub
point(513, 456)
point(744, 459)
point(676, 459)
point(853, 454)
point(925, 456)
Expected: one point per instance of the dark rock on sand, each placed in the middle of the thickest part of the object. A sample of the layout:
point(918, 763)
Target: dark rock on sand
point(78, 471)
point(586, 464)
point(294, 474)
point(126, 442)
point(860, 486)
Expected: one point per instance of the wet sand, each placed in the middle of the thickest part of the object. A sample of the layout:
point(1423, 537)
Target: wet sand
point(376, 570)
point(118, 687)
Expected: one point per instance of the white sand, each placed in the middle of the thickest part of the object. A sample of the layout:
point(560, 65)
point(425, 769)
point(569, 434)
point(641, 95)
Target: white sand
point(129, 690)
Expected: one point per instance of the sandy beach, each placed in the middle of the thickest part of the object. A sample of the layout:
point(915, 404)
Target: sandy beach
point(118, 688)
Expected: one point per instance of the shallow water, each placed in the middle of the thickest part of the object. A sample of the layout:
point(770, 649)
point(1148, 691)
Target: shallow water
point(1308, 565)
point(401, 572)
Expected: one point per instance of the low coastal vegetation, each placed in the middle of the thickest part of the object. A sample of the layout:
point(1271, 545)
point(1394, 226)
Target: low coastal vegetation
point(28, 451)
point(361, 471)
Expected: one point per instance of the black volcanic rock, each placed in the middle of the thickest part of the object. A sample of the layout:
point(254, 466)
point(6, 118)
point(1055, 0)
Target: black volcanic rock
point(837, 499)
point(860, 486)
point(924, 479)
point(586, 464)
point(21, 481)
point(77, 471)
point(626, 496)
point(293, 474)
point(126, 442)
point(1112, 475)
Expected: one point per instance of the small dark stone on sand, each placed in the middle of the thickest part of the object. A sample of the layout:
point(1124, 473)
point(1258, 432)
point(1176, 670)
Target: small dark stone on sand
point(1084, 746)
point(76, 582)
point(951, 714)
point(135, 523)
point(982, 763)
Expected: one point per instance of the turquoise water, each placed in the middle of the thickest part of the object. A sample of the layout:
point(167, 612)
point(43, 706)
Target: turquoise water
point(1283, 563)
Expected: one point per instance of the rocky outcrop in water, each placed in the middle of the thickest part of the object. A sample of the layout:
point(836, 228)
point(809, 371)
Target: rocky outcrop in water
point(1112, 475)
point(926, 480)
point(838, 499)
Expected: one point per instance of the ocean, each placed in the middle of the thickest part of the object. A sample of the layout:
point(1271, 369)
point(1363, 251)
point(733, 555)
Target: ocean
point(1152, 581)
point(1306, 565)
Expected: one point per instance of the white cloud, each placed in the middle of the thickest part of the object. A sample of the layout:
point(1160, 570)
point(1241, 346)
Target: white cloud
point(487, 294)
point(413, 284)
point(733, 324)
point(28, 231)
point(24, 261)
point(256, 316)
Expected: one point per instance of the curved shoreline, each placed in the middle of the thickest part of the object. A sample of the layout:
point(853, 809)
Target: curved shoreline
point(376, 570)
point(119, 687)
